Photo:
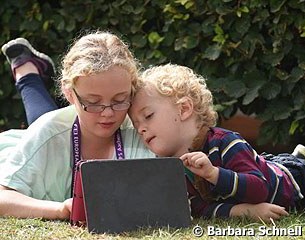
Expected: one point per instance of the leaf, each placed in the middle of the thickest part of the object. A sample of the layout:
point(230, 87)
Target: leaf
point(220, 36)
point(242, 25)
point(250, 96)
point(71, 25)
point(254, 79)
point(298, 99)
point(296, 74)
point(270, 90)
point(194, 29)
point(261, 16)
point(207, 25)
point(302, 65)
point(212, 52)
point(169, 39)
point(229, 111)
point(300, 116)
point(235, 89)
point(218, 30)
point(189, 4)
point(275, 5)
point(216, 83)
point(114, 21)
point(280, 109)
point(244, 9)
point(272, 58)
point(138, 41)
point(268, 130)
point(178, 44)
point(294, 126)
point(281, 74)
point(154, 38)
point(45, 26)
point(128, 9)
point(190, 42)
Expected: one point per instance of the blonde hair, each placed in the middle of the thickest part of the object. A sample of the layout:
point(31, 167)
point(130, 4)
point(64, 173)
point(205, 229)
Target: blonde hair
point(177, 81)
point(94, 53)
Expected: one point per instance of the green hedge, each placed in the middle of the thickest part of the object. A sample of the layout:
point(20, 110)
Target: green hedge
point(252, 52)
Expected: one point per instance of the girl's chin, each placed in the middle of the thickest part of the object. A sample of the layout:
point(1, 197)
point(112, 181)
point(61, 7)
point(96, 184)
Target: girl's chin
point(104, 133)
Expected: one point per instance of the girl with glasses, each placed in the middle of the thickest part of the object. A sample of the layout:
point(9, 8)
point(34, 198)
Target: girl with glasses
point(98, 78)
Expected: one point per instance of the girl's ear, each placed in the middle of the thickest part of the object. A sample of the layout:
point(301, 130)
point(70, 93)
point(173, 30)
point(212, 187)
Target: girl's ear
point(186, 108)
point(68, 95)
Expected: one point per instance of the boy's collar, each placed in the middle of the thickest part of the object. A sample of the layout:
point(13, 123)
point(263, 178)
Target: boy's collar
point(199, 140)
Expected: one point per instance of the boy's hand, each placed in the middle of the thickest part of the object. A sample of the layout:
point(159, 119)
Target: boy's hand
point(200, 164)
point(261, 211)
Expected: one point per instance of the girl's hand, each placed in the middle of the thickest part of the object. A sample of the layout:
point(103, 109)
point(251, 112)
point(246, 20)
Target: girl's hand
point(261, 211)
point(65, 209)
point(200, 164)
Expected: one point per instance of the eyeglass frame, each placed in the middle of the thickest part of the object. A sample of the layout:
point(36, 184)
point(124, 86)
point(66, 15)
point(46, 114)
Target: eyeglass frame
point(102, 106)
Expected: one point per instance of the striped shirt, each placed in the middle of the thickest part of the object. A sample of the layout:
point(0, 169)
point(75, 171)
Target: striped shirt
point(244, 177)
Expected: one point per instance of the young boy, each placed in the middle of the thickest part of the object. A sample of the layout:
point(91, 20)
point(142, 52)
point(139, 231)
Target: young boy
point(173, 112)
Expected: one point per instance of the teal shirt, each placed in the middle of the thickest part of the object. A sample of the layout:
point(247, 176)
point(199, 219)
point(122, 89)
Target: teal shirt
point(37, 161)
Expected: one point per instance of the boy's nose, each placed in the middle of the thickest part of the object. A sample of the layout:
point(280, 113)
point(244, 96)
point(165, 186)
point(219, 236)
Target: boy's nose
point(141, 130)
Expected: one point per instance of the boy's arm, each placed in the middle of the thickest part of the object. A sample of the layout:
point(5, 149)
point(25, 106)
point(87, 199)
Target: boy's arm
point(15, 204)
point(204, 209)
point(262, 211)
point(241, 171)
point(247, 186)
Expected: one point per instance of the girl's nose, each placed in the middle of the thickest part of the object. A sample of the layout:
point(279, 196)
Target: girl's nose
point(108, 111)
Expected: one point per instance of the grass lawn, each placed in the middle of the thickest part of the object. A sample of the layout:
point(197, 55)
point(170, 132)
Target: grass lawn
point(12, 228)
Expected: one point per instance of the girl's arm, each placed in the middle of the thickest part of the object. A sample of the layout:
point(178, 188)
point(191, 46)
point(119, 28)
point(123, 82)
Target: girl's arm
point(15, 204)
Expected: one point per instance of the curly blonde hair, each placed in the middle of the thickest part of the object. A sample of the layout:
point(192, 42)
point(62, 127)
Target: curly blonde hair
point(94, 53)
point(177, 81)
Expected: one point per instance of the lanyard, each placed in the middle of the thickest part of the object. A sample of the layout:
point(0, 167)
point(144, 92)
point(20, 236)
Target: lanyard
point(76, 146)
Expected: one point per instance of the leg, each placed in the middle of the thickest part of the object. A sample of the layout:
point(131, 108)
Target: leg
point(296, 167)
point(36, 99)
point(31, 70)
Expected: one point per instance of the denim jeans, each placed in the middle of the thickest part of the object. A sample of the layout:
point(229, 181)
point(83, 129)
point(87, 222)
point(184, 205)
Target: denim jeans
point(296, 167)
point(35, 96)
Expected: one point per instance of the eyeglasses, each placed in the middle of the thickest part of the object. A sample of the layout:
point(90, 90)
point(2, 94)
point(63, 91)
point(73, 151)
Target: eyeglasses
point(98, 108)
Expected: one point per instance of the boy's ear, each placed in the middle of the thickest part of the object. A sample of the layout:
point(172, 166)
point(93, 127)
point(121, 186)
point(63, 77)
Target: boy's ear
point(186, 108)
